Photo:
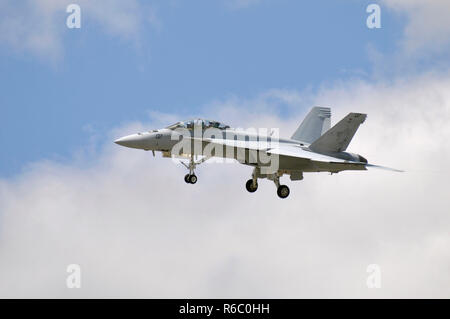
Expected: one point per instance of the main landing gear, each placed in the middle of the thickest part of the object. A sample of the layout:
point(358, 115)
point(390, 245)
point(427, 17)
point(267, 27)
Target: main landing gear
point(283, 191)
point(252, 184)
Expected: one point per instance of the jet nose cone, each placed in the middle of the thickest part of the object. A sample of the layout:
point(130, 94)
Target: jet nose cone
point(121, 141)
point(128, 141)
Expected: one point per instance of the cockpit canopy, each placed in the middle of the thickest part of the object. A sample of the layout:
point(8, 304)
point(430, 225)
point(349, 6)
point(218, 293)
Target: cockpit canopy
point(204, 124)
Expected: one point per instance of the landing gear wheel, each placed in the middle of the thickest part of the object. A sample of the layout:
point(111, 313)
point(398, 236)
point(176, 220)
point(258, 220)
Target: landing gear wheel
point(283, 191)
point(249, 186)
point(186, 178)
point(192, 179)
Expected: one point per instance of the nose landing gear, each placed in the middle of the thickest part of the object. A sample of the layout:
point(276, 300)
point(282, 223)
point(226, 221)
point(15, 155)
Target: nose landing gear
point(191, 178)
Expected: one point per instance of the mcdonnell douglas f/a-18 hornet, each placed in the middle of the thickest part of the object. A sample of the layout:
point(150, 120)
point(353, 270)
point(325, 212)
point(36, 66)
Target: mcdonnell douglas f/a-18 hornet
point(314, 147)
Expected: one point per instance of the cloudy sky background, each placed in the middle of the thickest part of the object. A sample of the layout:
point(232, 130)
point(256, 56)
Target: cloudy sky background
point(69, 195)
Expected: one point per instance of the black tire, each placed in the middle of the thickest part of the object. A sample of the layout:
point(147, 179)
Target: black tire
point(186, 178)
point(249, 186)
point(192, 179)
point(283, 191)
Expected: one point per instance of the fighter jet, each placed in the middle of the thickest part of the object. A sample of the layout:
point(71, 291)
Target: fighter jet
point(314, 147)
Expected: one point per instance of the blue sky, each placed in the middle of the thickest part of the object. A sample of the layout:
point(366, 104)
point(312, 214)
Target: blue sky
point(198, 51)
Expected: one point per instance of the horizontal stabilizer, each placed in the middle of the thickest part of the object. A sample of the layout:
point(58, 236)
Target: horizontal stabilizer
point(339, 136)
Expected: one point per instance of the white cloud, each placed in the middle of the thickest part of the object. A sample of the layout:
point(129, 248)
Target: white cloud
point(38, 27)
point(138, 230)
point(428, 26)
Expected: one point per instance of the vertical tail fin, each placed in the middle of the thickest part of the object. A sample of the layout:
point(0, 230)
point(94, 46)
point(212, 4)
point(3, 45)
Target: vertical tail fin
point(339, 136)
point(314, 125)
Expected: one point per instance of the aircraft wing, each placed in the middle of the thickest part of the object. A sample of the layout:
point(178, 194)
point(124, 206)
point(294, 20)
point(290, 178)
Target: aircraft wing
point(317, 162)
point(251, 145)
point(294, 151)
point(281, 150)
point(385, 168)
